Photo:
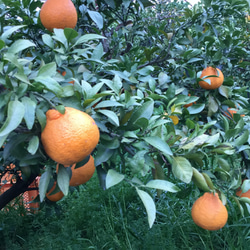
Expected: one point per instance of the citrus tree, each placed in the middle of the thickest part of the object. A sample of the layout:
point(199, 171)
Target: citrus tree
point(136, 68)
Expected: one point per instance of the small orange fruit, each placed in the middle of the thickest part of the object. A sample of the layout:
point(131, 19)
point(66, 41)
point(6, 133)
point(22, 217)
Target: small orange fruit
point(64, 74)
point(209, 213)
point(240, 194)
point(58, 14)
point(54, 197)
point(231, 112)
point(215, 82)
point(82, 174)
point(70, 137)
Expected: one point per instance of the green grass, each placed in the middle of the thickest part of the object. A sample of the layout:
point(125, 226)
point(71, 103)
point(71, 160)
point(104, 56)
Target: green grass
point(91, 218)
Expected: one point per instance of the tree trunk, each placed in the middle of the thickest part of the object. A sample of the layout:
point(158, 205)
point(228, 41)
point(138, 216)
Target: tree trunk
point(18, 188)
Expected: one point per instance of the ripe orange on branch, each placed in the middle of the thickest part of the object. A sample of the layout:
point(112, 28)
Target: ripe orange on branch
point(70, 137)
point(54, 197)
point(212, 75)
point(208, 212)
point(58, 14)
point(82, 174)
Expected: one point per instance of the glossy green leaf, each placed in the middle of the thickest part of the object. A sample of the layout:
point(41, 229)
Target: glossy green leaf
point(96, 17)
point(112, 116)
point(163, 185)
point(182, 169)
point(47, 39)
point(149, 204)
point(145, 111)
point(29, 115)
point(63, 178)
point(159, 144)
point(10, 31)
point(88, 37)
point(47, 70)
point(44, 182)
point(33, 145)
point(242, 139)
point(50, 84)
point(196, 108)
point(20, 45)
point(113, 178)
point(15, 115)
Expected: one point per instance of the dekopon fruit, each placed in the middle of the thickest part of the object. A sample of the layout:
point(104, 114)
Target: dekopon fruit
point(58, 14)
point(70, 137)
point(212, 78)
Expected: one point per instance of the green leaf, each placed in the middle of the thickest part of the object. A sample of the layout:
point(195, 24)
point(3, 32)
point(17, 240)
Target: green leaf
point(20, 45)
point(10, 31)
point(63, 178)
point(182, 169)
point(15, 115)
point(200, 181)
point(145, 111)
point(47, 39)
point(41, 117)
point(192, 60)
point(29, 115)
point(108, 103)
point(149, 205)
point(195, 108)
point(96, 17)
point(47, 70)
point(242, 139)
point(103, 154)
point(33, 145)
point(113, 178)
point(70, 33)
point(112, 116)
point(163, 185)
point(159, 144)
point(199, 140)
point(50, 84)
point(224, 91)
point(88, 37)
point(212, 105)
point(44, 182)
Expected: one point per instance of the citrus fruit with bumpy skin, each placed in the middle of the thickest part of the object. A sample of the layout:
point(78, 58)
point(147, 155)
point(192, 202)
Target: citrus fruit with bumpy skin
point(82, 174)
point(58, 14)
point(208, 212)
point(70, 137)
point(54, 197)
point(215, 82)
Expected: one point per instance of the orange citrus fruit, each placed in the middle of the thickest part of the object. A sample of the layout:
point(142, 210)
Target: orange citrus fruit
point(208, 212)
point(82, 174)
point(215, 82)
point(70, 137)
point(54, 197)
point(240, 194)
point(58, 14)
point(64, 74)
point(231, 112)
